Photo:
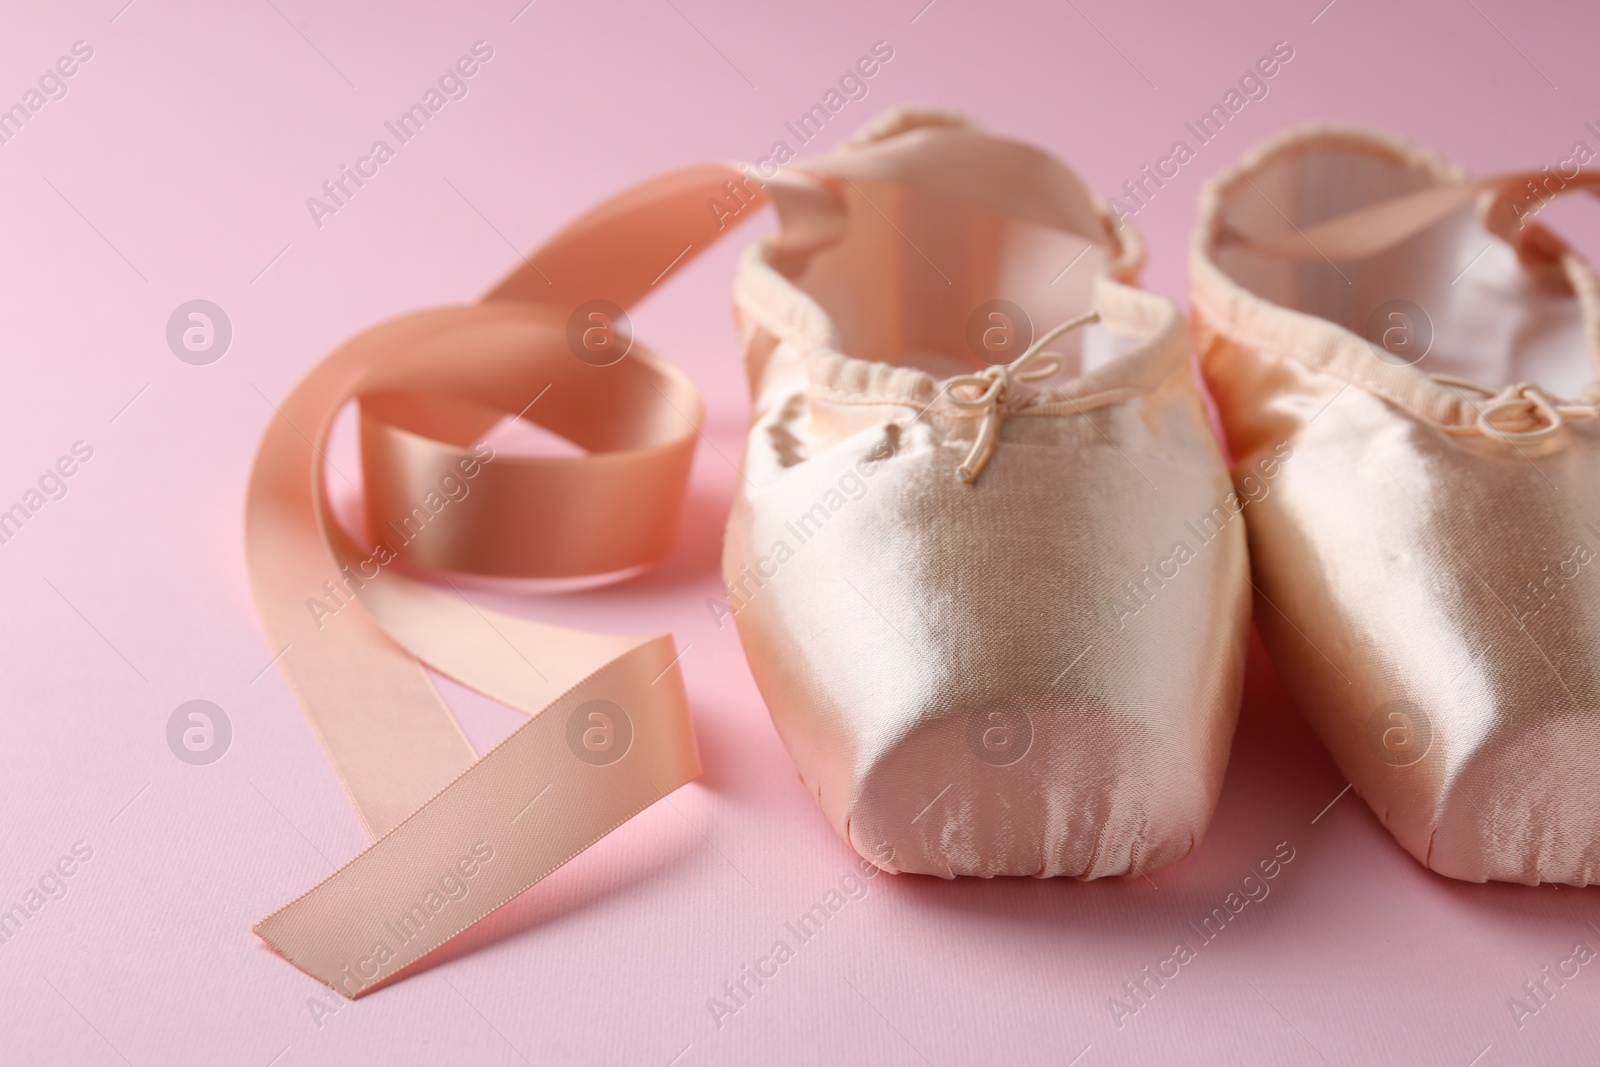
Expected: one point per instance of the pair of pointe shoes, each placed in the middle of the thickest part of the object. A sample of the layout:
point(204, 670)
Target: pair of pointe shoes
point(995, 580)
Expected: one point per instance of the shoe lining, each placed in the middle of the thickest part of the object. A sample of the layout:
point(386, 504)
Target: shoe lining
point(1490, 322)
point(913, 269)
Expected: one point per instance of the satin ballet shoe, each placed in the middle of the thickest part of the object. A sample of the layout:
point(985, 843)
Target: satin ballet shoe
point(1403, 360)
point(982, 557)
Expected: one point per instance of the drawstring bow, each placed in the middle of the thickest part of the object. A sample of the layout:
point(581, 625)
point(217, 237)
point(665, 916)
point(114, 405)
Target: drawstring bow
point(992, 388)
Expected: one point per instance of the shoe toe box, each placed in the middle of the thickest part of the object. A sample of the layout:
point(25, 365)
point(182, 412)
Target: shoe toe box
point(1026, 676)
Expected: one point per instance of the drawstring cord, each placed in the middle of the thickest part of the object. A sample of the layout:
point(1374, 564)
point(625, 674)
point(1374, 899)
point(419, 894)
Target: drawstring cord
point(1535, 405)
point(992, 388)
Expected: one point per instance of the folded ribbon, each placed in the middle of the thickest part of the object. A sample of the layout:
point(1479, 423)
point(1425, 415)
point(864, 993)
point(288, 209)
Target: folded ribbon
point(609, 731)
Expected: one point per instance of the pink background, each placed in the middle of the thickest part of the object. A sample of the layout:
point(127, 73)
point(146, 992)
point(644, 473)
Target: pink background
point(178, 166)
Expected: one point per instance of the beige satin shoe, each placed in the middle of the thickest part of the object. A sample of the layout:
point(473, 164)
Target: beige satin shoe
point(989, 574)
point(1389, 345)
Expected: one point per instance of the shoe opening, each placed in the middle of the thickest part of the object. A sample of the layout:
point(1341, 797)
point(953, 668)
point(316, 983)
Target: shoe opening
point(912, 276)
point(1451, 300)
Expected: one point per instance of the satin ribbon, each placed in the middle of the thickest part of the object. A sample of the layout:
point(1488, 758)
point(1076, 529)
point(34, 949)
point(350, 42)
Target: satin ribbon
point(609, 731)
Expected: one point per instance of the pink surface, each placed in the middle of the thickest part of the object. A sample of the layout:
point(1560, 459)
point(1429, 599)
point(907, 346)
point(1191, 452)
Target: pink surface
point(177, 166)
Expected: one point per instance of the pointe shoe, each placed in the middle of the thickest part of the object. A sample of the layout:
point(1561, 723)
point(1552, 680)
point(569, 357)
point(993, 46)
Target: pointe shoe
point(1388, 344)
point(986, 572)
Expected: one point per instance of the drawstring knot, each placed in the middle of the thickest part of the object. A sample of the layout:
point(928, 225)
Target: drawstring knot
point(1521, 405)
point(991, 391)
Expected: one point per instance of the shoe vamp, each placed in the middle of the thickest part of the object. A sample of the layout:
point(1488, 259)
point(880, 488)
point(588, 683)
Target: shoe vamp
point(1436, 610)
point(1051, 652)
